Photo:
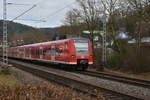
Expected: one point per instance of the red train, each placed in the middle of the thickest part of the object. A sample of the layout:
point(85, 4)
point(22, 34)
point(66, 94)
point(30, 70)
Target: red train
point(75, 52)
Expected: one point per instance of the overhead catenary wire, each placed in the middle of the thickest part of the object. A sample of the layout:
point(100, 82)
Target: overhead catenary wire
point(59, 10)
point(24, 12)
point(34, 20)
point(9, 3)
point(42, 19)
point(16, 18)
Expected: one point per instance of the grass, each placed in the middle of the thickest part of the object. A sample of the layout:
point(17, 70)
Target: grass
point(145, 76)
point(8, 80)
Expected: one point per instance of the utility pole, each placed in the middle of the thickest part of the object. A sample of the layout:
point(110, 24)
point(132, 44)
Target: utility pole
point(104, 54)
point(5, 42)
point(5, 35)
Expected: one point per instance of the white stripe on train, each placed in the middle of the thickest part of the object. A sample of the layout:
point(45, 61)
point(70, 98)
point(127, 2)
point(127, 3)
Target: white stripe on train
point(51, 61)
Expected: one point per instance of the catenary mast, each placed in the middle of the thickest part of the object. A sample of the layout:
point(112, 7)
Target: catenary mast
point(5, 42)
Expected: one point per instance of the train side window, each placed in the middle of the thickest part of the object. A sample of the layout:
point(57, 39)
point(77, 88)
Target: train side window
point(66, 45)
point(40, 51)
point(46, 51)
point(33, 51)
point(49, 51)
point(36, 51)
point(26, 51)
point(52, 51)
point(57, 51)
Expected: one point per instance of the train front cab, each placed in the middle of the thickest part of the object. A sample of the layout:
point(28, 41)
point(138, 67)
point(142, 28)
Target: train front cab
point(82, 53)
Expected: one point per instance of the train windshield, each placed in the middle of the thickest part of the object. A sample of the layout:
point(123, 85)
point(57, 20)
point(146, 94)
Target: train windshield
point(82, 47)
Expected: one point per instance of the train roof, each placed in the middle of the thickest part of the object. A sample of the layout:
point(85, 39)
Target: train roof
point(49, 42)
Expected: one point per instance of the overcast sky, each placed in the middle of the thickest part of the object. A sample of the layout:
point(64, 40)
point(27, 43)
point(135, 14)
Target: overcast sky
point(53, 11)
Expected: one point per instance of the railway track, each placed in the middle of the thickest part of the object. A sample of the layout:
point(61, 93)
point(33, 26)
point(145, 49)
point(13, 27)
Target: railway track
point(78, 84)
point(123, 79)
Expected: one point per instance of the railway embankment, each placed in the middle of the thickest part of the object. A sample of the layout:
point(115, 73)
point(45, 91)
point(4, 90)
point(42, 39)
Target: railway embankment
point(80, 81)
point(21, 85)
point(105, 88)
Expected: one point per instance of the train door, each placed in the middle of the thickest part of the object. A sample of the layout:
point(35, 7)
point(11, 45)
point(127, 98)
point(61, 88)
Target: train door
point(30, 56)
point(41, 52)
point(66, 53)
point(24, 51)
point(17, 52)
point(53, 55)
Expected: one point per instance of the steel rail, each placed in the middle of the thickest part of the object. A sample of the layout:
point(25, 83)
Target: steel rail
point(114, 77)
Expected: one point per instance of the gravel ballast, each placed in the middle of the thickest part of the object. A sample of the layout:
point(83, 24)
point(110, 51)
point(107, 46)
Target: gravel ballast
point(143, 93)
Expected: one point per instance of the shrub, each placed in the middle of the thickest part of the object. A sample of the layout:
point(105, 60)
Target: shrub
point(114, 62)
point(98, 59)
point(139, 62)
point(5, 70)
point(131, 60)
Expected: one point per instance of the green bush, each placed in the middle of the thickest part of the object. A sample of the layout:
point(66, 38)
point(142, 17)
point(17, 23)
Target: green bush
point(139, 62)
point(131, 60)
point(114, 62)
point(98, 59)
point(125, 57)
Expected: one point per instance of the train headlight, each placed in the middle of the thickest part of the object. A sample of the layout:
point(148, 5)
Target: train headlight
point(83, 61)
point(73, 56)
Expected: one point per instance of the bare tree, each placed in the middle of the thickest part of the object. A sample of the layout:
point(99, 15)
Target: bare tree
point(112, 10)
point(72, 17)
point(72, 22)
point(88, 15)
point(110, 7)
point(141, 10)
